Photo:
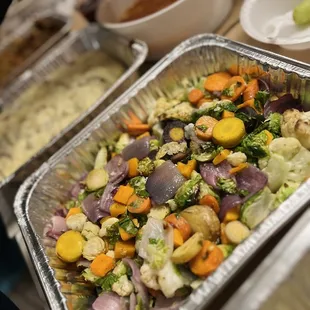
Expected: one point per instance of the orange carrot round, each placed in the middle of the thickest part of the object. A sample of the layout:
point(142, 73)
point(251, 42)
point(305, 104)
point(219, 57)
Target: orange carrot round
point(233, 88)
point(210, 201)
point(179, 222)
point(204, 127)
point(138, 204)
point(251, 90)
point(207, 260)
point(216, 81)
point(195, 95)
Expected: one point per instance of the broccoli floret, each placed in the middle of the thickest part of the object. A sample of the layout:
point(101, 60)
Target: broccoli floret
point(138, 184)
point(205, 151)
point(186, 194)
point(255, 145)
point(229, 186)
point(146, 166)
point(127, 224)
point(171, 148)
point(275, 124)
point(215, 111)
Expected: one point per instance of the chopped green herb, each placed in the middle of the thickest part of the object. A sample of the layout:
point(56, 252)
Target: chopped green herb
point(229, 92)
point(113, 234)
point(127, 224)
point(260, 100)
point(203, 128)
point(107, 281)
point(70, 204)
point(138, 184)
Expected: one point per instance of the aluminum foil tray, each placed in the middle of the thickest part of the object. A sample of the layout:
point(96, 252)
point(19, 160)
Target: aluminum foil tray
point(282, 281)
point(130, 53)
point(42, 192)
point(22, 31)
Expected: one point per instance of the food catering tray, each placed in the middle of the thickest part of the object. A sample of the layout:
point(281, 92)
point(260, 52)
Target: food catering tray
point(282, 281)
point(42, 192)
point(130, 53)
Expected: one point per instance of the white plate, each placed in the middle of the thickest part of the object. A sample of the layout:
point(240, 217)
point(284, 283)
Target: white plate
point(271, 21)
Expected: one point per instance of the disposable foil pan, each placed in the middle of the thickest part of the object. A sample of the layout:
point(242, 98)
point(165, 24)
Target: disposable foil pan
point(130, 53)
point(41, 193)
point(23, 30)
point(282, 281)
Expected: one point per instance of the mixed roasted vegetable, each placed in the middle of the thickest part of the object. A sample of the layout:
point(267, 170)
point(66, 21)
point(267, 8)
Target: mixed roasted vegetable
point(169, 200)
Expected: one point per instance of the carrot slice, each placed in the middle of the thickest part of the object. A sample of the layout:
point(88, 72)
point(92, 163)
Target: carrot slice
point(101, 265)
point(179, 222)
point(221, 157)
point(137, 129)
point(204, 127)
point(117, 209)
point(74, 211)
point(146, 134)
point(216, 81)
point(195, 95)
point(177, 238)
point(207, 260)
point(123, 194)
point(138, 204)
point(269, 136)
point(133, 167)
point(233, 88)
point(227, 114)
point(210, 201)
point(124, 249)
point(238, 168)
point(251, 90)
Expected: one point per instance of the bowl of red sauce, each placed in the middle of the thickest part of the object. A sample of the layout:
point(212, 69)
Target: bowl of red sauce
point(162, 24)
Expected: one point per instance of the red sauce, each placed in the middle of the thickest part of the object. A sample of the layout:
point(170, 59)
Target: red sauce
point(142, 8)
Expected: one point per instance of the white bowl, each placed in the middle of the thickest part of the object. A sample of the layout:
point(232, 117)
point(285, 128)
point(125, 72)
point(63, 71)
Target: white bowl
point(271, 21)
point(168, 27)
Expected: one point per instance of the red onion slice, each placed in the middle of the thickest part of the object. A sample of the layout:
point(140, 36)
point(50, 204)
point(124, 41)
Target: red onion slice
point(90, 207)
point(164, 182)
point(117, 169)
point(107, 301)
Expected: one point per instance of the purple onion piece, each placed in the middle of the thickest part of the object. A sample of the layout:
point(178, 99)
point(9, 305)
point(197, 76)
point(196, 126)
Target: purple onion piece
point(164, 182)
point(282, 104)
point(56, 227)
point(251, 179)
point(107, 301)
point(61, 212)
point(163, 303)
point(139, 149)
point(90, 207)
point(136, 280)
point(82, 262)
point(228, 202)
point(75, 190)
point(211, 173)
point(117, 169)
point(107, 198)
point(132, 301)
point(263, 84)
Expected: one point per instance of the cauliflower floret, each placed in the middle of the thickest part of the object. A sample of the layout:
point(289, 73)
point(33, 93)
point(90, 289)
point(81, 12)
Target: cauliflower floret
point(170, 279)
point(237, 158)
point(286, 147)
point(107, 224)
point(76, 221)
point(296, 124)
point(110, 254)
point(120, 269)
point(90, 230)
point(123, 287)
point(182, 112)
point(149, 277)
point(93, 247)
